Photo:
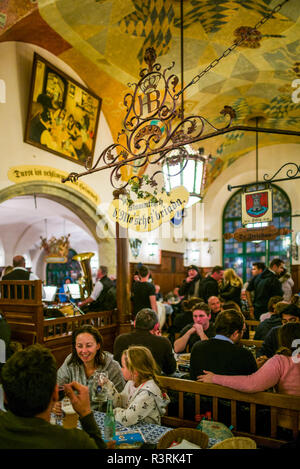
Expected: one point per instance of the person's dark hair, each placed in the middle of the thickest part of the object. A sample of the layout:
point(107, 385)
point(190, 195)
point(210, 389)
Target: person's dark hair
point(229, 321)
point(295, 300)
point(231, 305)
point(146, 319)
point(217, 269)
point(202, 306)
point(293, 310)
point(273, 301)
point(29, 379)
point(286, 335)
point(188, 304)
point(87, 329)
point(143, 271)
point(104, 269)
point(276, 262)
point(260, 265)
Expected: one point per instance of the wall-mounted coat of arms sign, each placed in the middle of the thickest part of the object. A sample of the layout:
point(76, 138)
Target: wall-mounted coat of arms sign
point(257, 206)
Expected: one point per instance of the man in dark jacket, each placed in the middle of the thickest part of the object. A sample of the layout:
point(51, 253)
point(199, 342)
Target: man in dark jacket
point(210, 284)
point(147, 333)
point(267, 285)
point(274, 320)
point(191, 284)
point(271, 343)
point(222, 353)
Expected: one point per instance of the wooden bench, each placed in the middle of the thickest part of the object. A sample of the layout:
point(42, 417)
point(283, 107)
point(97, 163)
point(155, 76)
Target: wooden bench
point(282, 410)
point(22, 307)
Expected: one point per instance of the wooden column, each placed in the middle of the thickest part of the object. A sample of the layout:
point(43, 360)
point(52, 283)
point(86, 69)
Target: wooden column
point(123, 278)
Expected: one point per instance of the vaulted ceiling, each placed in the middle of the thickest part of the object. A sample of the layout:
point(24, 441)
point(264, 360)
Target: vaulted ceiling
point(104, 42)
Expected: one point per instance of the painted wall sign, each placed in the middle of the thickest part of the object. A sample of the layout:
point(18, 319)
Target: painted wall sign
point(144, 215)
point(30, 173)
point(257, 206)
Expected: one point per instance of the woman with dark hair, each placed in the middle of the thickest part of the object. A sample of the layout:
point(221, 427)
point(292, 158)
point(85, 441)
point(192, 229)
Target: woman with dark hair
point(87, 358)
point(282, 370)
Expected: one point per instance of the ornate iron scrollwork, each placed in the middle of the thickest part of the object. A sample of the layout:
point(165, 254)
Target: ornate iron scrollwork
point(153, 127)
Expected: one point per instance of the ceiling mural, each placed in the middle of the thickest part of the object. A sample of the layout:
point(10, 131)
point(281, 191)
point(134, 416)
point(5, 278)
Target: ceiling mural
point(104, 41)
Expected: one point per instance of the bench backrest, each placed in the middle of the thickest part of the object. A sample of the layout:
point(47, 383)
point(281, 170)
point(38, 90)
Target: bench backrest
point(21, 305)
point(282, 410)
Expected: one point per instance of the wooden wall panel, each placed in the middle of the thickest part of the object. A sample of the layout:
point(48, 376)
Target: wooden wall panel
point(168, 274)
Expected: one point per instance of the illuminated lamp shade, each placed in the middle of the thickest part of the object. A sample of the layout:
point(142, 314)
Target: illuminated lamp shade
point(189, 171)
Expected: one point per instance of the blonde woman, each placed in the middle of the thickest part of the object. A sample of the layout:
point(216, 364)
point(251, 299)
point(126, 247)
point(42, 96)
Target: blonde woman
point(232, 287)
point(142, 400)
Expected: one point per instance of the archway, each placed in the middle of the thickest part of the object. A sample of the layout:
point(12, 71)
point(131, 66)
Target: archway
point(75, 202)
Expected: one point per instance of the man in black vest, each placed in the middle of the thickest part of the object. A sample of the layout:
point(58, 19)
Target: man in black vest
point(20, 272)
point(103, 296)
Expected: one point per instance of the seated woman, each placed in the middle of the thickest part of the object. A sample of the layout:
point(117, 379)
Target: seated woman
point(88, 357)
point(63, 298)
point(282, 370)
point(141, 401)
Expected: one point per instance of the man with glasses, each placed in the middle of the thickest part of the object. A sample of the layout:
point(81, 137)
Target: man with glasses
point(222, 354)
point(271, 343)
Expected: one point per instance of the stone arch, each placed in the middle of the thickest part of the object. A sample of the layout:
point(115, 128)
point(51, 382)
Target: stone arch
point(94, 219)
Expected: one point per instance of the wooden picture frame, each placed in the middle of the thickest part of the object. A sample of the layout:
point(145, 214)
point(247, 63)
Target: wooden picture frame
point(63, 115)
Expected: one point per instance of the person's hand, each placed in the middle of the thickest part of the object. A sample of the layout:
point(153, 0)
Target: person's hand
point(189, 279)
point(79, 397)
point(261, 360)
point(206, 378)
point(198, 329)
point(57, 408)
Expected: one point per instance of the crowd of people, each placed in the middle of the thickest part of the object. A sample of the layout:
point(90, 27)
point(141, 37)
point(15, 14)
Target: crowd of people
point(208, 320)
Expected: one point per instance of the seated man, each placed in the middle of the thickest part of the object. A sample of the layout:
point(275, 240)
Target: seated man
point(103, 295)
point(274, 320)
point(271, 344)
point(222, 354)
point(200, 329)
point(30, 391)
point(215, 307)
point(147, 333)
point(19, 272)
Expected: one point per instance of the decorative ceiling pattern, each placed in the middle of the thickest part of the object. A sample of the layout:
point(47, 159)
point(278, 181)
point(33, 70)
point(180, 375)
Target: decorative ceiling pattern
point(104, 42)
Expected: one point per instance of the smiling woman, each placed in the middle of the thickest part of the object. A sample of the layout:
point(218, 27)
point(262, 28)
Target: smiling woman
point(87, 359)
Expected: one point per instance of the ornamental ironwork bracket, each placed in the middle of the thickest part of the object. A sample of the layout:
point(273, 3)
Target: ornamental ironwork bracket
point(292, 172)
point(154, 130)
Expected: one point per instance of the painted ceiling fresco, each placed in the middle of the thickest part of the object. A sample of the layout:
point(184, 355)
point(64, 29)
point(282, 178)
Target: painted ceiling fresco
point(104, 42)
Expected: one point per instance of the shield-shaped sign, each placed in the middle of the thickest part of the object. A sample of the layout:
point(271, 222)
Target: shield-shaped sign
point(257, 206)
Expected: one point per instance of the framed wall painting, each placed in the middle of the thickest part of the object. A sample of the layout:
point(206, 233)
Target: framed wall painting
point(62, 115)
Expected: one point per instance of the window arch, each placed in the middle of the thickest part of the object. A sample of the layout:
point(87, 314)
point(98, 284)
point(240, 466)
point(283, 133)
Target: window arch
point(240, 256)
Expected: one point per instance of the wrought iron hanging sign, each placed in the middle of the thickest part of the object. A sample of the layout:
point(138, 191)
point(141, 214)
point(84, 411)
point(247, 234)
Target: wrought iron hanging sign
point(257, 206)
point(154, 125)
point(152, 129)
